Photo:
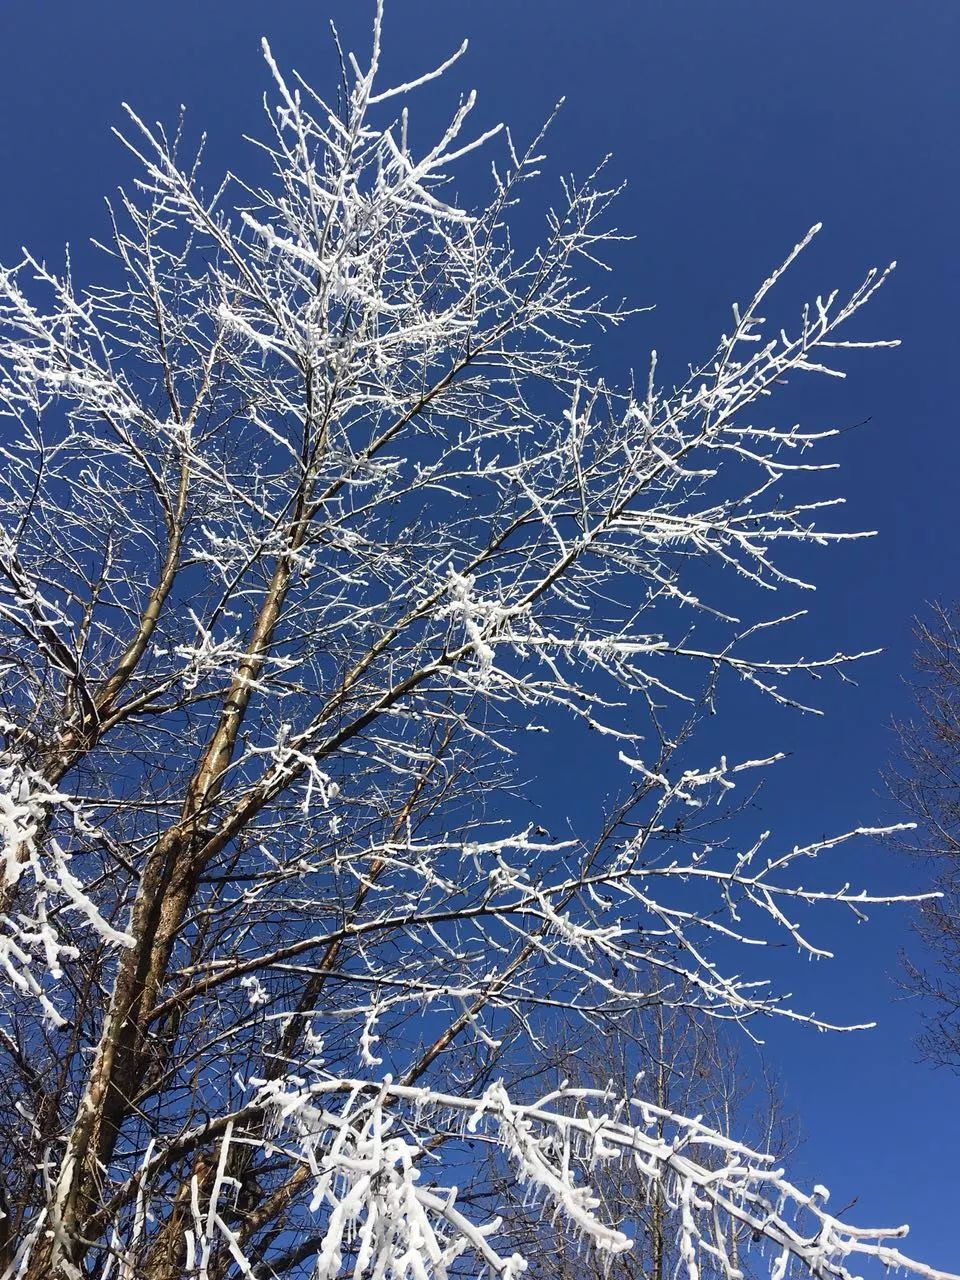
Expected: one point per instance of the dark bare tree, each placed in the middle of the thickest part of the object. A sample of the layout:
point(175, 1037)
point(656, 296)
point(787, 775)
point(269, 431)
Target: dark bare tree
point(926, 783)
point(681, 1062)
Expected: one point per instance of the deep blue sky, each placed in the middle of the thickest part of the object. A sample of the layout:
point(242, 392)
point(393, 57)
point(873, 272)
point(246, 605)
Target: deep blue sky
point(737, 124)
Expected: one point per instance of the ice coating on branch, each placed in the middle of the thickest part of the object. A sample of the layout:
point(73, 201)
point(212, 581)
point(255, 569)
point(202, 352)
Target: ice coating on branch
point(368, 1176)
point(23, 808)
point(31, 946)
point(479, 619)
point(368, 1181)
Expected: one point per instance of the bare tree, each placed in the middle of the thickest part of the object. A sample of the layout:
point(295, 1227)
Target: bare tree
point(314, 514)
point(927, 784)
point(683, 1063)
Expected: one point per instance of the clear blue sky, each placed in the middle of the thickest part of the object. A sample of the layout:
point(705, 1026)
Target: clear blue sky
point(737, 124)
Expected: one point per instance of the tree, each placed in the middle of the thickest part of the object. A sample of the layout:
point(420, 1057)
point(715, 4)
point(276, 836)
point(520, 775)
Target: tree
point(315, 512)
point(927, 785)
point(678, 1062)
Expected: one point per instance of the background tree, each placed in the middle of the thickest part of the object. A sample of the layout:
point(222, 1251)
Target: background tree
point(927, 785)
point(680, 1062)
point(315, 516)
